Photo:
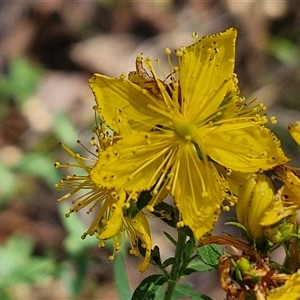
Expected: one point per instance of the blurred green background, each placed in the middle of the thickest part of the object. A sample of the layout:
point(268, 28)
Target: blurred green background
point(48, 50)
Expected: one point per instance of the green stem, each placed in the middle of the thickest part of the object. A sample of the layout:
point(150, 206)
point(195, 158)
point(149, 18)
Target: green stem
point(175, 271)
point(287, 259)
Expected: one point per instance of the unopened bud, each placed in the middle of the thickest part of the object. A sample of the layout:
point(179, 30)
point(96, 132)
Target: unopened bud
point(255, 198)
point(243, 264)
point(280, 233)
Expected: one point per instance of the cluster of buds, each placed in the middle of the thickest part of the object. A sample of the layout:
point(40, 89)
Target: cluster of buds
point(263, 214)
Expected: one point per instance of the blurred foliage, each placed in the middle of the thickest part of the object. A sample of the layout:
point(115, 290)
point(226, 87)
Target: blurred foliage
point(16, 87)
point(23, 267)
point(21, 80)
point(285, 50)
point(8, 183)
point(20, 266)
point(75, 251)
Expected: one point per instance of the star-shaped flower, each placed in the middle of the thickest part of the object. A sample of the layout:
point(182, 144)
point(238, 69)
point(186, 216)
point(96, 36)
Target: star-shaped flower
point(181, 127)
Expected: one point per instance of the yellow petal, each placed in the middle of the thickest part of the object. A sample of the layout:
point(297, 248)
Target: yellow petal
point(142, 230)
point(115, 222)
point(198, 192)
point(291, 188)
point(295, 132)
point(242, 147)
point(135, 162)
point(206, 72)
point(234, 179)
point(278, 211)
point(290, 290)
point(113, 95)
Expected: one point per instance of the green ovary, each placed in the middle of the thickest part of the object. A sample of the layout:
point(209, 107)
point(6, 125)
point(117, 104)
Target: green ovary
point(186, 131)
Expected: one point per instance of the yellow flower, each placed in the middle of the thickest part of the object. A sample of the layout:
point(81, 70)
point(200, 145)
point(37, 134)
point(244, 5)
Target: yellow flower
point(290, 290)
point(111, 220)
point(180, 126)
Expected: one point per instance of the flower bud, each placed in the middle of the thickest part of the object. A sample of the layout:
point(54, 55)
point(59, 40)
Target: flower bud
point(280, 233)
point(243, 264)
point(255, 198)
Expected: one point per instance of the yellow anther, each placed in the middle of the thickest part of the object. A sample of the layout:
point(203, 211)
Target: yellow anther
point(195, 35)
point(204, 194)
point(126, 205)
point(273, 120)
point(111, 257)
point(150, 208)
point(179, 53)
point(180, 224)
point(168, 51)
point(123, 76)
point(226, 208)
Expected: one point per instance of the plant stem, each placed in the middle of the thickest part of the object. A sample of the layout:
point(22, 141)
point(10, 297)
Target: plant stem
point(175, 271)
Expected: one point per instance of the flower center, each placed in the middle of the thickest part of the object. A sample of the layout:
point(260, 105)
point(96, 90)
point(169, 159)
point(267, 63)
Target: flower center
point(186, 131)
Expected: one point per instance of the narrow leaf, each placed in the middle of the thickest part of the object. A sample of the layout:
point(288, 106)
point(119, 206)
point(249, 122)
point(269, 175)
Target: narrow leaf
point(149, 287)
point(188, 249)
point(210, 254)
point(169, 261)
point(155, 255)
point(197, 265)
point(121, 278)
point(170, 238)
point(188, 291)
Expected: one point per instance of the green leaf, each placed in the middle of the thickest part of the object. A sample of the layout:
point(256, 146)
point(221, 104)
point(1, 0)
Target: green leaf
point(169, 261)
point(197, 265)
point(137, 206)
point(188, 249)
point(155, 255)
point(186, 290)
point(210, 254)
point(237, 224)
point(149, 287)
point(144, 199)
point(121, 279)
point(8, 183)
point(21, 81)
point(19, 266)
point(285, 50)
point(170, 238)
